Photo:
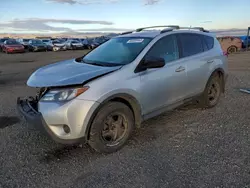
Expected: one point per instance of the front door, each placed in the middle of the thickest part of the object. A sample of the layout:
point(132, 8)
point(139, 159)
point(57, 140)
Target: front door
point(163, 86)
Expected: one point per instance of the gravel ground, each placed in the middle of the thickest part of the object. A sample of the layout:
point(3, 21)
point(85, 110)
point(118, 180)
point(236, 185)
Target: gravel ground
point(187, 147)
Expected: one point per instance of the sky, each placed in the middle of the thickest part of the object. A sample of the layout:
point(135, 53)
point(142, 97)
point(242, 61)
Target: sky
point(55, 16)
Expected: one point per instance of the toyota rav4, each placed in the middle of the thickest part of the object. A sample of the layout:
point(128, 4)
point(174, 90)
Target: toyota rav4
point(101, 97)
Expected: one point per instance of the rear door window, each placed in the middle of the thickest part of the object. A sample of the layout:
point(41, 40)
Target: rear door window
point(209, 41)
point(191, 44)
point(205, 47)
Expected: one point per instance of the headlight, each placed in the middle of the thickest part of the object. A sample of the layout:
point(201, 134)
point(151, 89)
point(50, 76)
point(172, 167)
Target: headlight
point(63, 94)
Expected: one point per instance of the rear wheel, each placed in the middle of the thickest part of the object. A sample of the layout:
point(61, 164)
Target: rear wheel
point(232, 49)
point(212, 92)
point(111, 128)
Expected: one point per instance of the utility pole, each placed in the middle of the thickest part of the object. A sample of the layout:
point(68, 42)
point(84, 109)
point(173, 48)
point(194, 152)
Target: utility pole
point(248, 29)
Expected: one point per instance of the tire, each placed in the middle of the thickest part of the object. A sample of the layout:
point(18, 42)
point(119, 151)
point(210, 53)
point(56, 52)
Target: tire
point(102, 128)
point(231, 49)
point(212, 92)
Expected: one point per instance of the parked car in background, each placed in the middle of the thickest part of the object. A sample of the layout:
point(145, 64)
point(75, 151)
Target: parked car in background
point(244, 41)
point(36, 45)
point(86, 44)
point(101, 40)
point(24, 42)
point(73, 44)
point(75, 39)
point(58, 45)
point(230, 44)
point(103, 96)
point(48, 43)
point(12, 46)
point(2, 42)
point(92, 43)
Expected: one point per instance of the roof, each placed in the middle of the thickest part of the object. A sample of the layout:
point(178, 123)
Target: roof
point(149, 34)
point(154, 33)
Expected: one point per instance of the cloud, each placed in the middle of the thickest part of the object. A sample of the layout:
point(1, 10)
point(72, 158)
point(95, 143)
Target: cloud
point(87, 2)
point(83, 2)
point(151, 2)
point(110, 29)
point(41, 25)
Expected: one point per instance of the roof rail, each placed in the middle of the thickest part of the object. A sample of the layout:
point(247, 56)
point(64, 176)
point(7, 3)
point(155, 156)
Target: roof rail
point(127, 32)
point(170, 26)
point(167, 28)
point(195, 28)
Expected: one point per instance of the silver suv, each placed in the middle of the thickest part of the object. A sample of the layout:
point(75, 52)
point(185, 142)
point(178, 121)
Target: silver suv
point(101, 97)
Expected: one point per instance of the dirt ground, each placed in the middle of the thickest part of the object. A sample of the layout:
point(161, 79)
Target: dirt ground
point(187, 147)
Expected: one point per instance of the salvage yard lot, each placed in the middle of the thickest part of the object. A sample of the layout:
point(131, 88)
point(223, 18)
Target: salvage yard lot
point(187, 147)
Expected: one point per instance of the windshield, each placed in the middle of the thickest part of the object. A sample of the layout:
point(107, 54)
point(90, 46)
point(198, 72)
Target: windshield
point(36, 42)
point(74, 42)
point(26, 40)
point(57, 42)
point(117, 51)
point(45, 40)
point(3, 40)
point(9, 42)
point(90, 40)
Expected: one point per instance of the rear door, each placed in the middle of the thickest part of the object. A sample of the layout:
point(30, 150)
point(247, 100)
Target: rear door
point(197, 53)
point(163, 86)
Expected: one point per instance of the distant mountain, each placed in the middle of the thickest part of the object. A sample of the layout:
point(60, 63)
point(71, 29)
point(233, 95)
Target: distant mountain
point(230, 32)
point(218, 32)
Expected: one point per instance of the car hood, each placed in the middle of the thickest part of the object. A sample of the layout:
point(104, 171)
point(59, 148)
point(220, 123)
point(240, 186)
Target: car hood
point(66, 73)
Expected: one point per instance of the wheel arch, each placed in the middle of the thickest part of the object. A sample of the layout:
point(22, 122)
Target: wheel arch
point(221, 74)
point(124, 98)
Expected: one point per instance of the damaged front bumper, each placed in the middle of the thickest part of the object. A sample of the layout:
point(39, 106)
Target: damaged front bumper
point(28, 108)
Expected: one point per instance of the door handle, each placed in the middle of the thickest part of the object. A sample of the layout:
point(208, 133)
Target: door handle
point(180, 69)
point(210, 61)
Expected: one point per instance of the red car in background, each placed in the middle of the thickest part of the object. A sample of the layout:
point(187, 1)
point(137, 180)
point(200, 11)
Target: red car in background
point(12, 46)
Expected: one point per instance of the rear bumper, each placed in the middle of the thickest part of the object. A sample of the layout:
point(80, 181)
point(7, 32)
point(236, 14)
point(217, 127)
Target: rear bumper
point(26, 108)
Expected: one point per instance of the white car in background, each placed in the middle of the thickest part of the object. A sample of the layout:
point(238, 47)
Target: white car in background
point(57, 45)
point(73, 45)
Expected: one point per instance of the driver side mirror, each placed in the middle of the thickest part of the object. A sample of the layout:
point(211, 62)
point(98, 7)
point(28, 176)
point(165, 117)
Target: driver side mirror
point(150, 63)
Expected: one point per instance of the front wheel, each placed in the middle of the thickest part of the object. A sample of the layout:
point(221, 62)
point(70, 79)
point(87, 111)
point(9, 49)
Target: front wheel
point(111, 128)
point(212, 92)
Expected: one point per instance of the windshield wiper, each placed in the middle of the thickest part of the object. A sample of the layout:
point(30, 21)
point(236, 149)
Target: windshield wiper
point(103, 64)
point(91, 63)
point(97, 64)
